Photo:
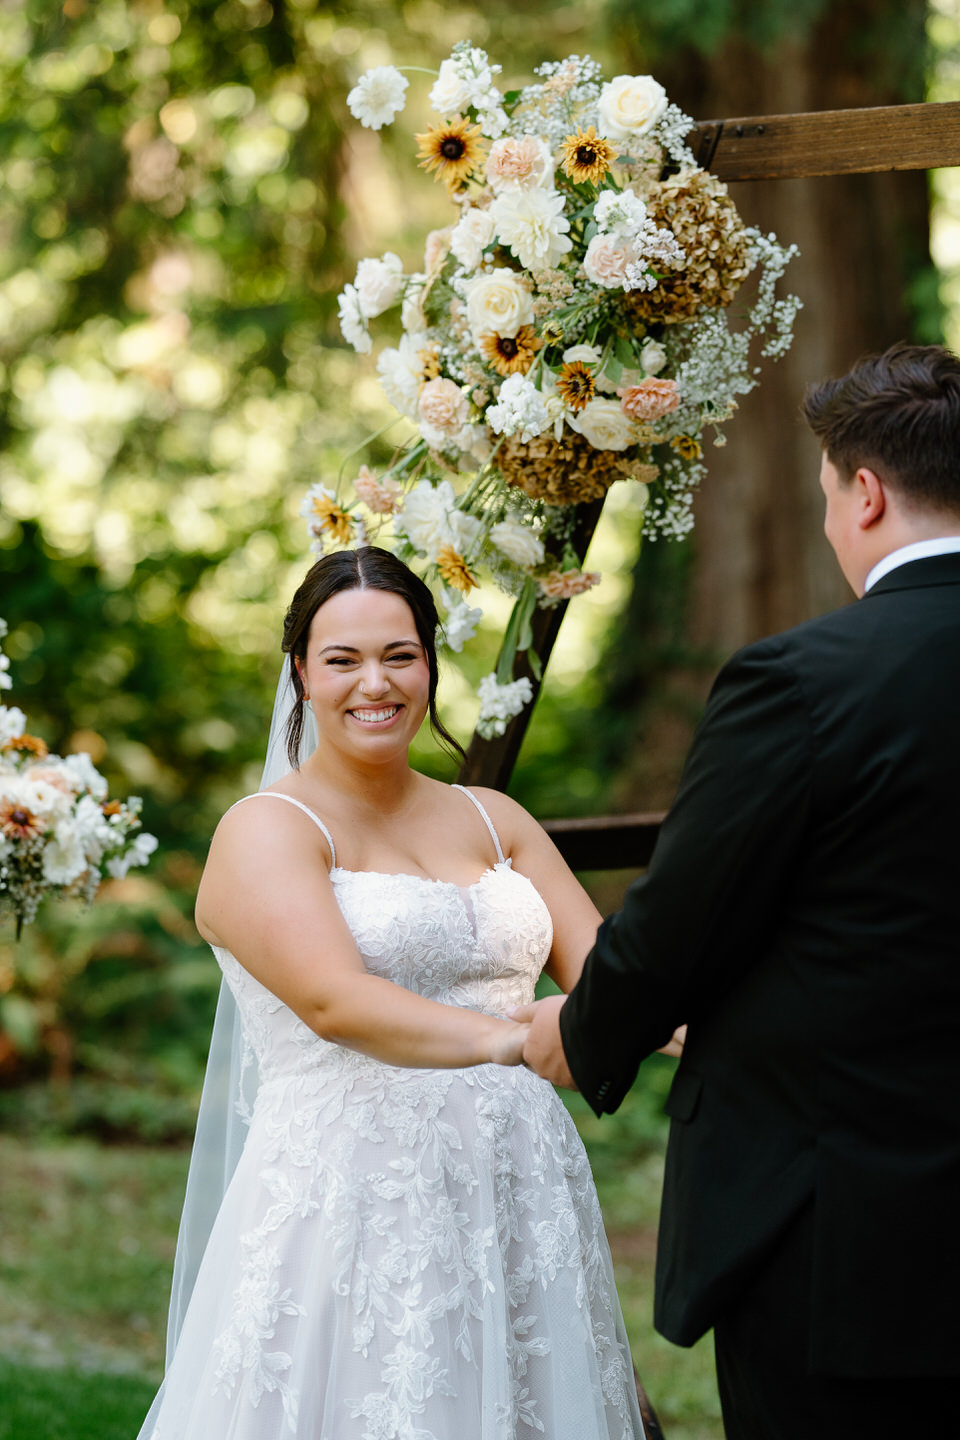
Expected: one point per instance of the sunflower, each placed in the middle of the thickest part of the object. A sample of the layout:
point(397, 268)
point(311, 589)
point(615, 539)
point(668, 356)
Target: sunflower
point(576, 384)
point(511, 354)
point(19, 823)
point(453, 150)
point(454, 569)
point(586, 156)
point(331, 519)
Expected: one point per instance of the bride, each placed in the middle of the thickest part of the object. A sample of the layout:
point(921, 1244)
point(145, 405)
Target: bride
point(409, 1246)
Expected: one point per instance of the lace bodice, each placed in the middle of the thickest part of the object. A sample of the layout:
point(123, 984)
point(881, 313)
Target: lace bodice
point(480, 946)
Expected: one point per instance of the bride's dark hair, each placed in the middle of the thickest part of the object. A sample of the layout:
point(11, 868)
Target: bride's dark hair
point(367, 568)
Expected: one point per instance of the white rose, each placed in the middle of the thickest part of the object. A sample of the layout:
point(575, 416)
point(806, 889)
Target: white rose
point(630, 105)
point(653, 357)
point(517, 543)
point(603, 425)
point(497, 304)
point(425, 517)
point(378, 284)
point(472, 234)
point(586, 354)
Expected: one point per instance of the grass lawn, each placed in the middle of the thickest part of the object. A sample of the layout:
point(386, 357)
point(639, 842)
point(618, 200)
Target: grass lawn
point(87, 1237)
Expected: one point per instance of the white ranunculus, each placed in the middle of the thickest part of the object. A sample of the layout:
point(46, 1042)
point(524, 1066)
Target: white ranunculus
point(518, 543)
point(63, 857)
point(653, 357)
point(400, 370)
point(353, 326)
point(378, 96)
point(532, 224)
point(378, 284)
point(603, 424)
point(472, 234)
point(464, 80)
point(461, 620)
point(42, 798)
point(13, 722)
point(630, 106)
point(425, 517)
point(497, 304)
point(84, 774)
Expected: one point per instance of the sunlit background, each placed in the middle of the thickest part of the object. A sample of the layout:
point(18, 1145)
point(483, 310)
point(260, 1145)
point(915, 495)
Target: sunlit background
point(182, 195)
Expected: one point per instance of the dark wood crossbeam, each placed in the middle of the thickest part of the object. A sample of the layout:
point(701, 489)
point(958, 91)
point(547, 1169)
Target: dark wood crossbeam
point(830, 142)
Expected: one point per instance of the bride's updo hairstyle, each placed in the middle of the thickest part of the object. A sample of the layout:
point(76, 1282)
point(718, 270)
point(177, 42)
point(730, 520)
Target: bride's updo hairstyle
point(367, 568)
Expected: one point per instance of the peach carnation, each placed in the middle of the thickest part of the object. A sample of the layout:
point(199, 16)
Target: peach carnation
point(443, 405)
point(381, 497)
point(564, 584)
point(650, 400)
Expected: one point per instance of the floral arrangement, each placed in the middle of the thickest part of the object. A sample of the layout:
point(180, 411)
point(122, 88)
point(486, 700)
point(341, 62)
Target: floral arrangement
point(570, 328)
point(58, 830)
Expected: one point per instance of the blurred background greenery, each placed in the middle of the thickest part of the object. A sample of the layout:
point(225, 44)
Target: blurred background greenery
point(182, 195)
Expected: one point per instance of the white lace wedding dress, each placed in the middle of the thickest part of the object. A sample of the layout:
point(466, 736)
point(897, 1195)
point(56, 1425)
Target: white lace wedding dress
point(406, 1254)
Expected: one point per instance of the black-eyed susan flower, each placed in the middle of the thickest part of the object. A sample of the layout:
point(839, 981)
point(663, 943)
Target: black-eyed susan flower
point(511, 354)
point(576, 384)
point(452, 150)
point(586, 156)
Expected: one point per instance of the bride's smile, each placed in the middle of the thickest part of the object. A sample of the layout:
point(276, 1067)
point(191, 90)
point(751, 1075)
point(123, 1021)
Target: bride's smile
point(365, 669)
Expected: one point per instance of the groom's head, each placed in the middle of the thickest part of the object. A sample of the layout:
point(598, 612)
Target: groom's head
point(890, 432)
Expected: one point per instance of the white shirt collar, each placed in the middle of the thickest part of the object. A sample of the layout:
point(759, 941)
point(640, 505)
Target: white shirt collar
point(919, 550)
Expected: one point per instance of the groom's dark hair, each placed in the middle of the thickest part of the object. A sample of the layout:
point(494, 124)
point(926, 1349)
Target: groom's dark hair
point(366, 568)
point(897, 414)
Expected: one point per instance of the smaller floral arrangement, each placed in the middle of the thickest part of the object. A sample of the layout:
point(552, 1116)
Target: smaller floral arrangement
point(59, 832)
point(577, 323)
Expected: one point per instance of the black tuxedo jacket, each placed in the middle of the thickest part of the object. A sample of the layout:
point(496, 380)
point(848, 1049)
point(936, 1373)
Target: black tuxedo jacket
point(802, 913)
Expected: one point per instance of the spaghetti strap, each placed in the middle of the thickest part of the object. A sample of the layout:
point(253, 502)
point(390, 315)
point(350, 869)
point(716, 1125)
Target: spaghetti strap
point(489, 823)
point(277, 795)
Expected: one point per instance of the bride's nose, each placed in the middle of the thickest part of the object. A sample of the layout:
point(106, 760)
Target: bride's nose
point(374, 681)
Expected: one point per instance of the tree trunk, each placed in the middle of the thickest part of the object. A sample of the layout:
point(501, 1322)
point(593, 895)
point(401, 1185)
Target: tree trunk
point(760, 562)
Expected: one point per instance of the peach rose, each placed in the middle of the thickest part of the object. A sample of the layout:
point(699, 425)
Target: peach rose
point(519, 164)
point(606, 261)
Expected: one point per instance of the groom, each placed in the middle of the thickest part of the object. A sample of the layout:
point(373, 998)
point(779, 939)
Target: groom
point(802, 913)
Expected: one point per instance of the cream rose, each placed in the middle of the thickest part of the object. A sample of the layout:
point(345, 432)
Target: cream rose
point(497, 304)
point(517, 543)
point(606, 261)
point(603, 425)
point(630, 106)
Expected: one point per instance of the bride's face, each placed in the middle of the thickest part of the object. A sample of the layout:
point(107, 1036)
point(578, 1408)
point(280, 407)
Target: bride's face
point(366, 673)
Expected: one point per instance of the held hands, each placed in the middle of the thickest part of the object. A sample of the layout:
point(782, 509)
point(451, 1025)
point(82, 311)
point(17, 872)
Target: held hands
point(507, 1043)
point(543, 1049)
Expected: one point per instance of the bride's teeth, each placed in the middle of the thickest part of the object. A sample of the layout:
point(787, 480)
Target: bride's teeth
point(374, 716)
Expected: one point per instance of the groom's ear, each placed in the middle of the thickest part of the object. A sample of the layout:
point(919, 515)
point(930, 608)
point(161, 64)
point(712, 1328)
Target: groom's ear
point(871, 497)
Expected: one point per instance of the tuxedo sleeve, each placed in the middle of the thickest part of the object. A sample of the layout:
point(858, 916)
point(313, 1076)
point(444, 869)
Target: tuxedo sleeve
point(707, 905)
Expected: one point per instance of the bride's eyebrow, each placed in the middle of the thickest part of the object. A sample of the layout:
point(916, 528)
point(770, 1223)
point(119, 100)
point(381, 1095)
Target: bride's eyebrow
point(393, 645)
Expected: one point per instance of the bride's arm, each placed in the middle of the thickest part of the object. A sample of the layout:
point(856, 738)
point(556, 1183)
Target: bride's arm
point(266, 896)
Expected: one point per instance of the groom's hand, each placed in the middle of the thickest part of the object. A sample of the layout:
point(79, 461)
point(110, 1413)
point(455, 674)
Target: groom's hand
point(543, 1048)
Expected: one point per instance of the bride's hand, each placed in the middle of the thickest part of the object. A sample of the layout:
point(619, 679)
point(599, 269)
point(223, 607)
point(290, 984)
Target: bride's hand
point(507, 1046)
point(674, 1046)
